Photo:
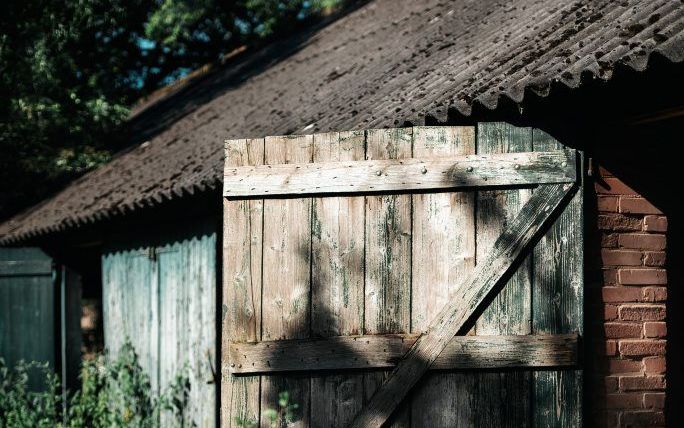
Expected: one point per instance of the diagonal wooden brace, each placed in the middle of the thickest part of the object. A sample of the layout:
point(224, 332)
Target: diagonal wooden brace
point(483, 284)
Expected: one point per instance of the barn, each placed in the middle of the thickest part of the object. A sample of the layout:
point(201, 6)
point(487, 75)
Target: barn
point(143, 234)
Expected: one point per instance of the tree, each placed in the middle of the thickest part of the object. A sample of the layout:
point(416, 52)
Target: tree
point(70, 70)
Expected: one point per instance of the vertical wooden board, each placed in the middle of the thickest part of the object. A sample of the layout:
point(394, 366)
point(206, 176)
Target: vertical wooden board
point(557, 297)
point(388, 256)
point(443, 255)
point(337, 248)
point(130, 307)
point(112, 305)
point(191, 339)
point(139, 310)
point(153, 337)
point(286, 274)
point(196, 259)
point(242, 290)
point(503, 399)
point(204, 298)
point(171, 318)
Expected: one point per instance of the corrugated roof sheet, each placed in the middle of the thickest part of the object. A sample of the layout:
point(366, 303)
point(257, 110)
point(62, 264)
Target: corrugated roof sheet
point(385, 63)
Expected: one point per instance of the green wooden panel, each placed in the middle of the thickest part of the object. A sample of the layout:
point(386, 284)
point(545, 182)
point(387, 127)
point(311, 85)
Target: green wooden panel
point(28, 323)
point(159, 290)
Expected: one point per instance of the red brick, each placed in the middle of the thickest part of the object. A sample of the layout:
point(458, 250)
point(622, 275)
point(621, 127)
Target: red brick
point(610, 348)
point(655, 365)
point(607, 204)
point(642, 419)
point(622, 330)
point(613, 186)
point(632, 400)
point(641, 347)
point(610, 384)
point(655, 329)
point(637, 206)
point(609, 240)
point(621, 294)
point(655, 223)
point(642, 312)
point(642, 241)
point(655, 294)
point(619, 223)
point(654, 258)
point(621, 257)
point(610, 312)
point(654, 400)
point(610, 276)
point(642, 383)
point(642, 276)
point(617, 366)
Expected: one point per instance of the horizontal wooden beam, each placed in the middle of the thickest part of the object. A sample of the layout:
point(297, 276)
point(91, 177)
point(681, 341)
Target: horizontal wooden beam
point(25, 267)
point(384, 351)
point(493, 170)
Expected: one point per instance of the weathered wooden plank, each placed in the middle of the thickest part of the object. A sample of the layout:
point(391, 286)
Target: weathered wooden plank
point(286, 274)
point(510, 312)
point(242, 263)
point(28, 316)
point(388, 255)
point(337, 247)
point(424, 172)
point(443, 254)
point(196, 326)
point(557, 297)
point(477, 289)
point(384, 351)
point(172, 319)
point(163, 300)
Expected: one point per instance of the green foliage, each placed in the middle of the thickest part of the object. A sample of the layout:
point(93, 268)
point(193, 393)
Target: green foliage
point(21, 407)
point(112, 394)
point(283, 416)
point(70, 70)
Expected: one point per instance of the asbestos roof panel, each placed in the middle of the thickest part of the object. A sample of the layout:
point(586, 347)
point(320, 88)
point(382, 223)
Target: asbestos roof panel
point(384, 64)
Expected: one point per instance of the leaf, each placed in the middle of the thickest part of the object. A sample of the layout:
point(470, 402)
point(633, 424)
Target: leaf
point(283, 398)
point(271, 415)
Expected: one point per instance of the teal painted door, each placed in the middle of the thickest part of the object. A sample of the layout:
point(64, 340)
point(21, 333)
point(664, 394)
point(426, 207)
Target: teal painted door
point(28, 325)
point(160, 293)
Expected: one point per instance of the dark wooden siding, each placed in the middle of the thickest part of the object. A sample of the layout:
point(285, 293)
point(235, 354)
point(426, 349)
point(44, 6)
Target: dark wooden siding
point(28, 306)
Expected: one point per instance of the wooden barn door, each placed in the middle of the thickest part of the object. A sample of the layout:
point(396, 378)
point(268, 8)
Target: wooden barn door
point(159, 294)
point(422, 277)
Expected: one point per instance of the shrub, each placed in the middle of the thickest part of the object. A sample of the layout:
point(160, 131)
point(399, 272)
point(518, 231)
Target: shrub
point(113, 393)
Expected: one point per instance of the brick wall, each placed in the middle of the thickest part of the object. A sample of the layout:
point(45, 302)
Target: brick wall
point(627, 328)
